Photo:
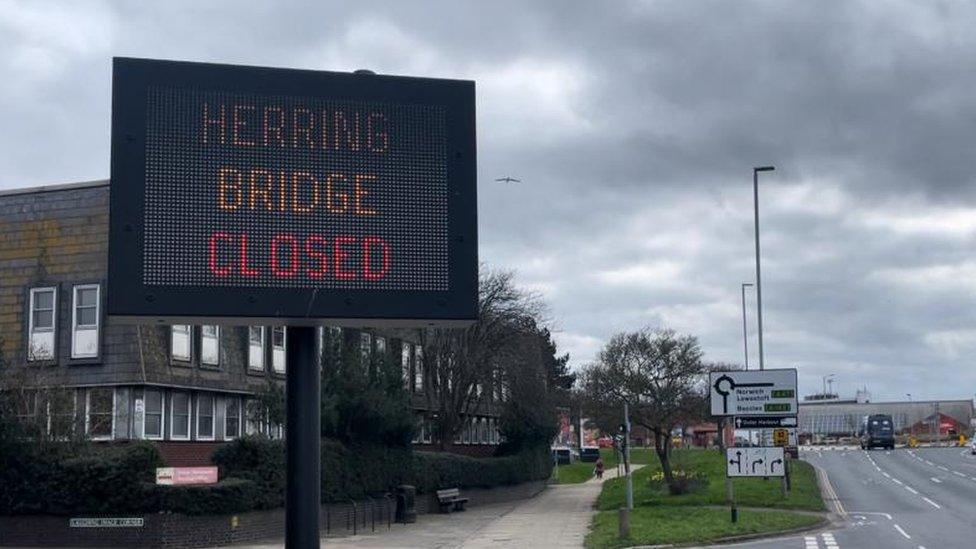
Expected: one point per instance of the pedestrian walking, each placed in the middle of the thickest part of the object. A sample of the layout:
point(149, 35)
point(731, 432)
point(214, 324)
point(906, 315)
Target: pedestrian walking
point(598, 470)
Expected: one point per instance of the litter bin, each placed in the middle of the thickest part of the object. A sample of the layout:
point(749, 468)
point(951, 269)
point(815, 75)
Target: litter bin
point(406, 513)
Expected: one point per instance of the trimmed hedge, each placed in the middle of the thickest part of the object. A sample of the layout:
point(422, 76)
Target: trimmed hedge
point(120, 478)
point(356, 471)
point(96, 479)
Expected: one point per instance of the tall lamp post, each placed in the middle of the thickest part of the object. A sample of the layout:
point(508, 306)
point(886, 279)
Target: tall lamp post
point(755, 199)
point(745, 337)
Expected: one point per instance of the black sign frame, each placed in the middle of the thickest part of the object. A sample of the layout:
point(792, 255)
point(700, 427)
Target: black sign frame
point(130, 300)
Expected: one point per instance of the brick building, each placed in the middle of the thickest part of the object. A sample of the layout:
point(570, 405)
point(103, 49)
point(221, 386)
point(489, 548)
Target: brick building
point(187, 387)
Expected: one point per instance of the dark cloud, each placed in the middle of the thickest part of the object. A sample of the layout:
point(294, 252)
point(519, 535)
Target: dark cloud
point(634, 126)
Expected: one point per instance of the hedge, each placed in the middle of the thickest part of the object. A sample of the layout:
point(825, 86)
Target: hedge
point(96, 479)
point(120, 478)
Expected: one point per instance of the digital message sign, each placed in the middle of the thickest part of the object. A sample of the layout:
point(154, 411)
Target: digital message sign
point(243, 193)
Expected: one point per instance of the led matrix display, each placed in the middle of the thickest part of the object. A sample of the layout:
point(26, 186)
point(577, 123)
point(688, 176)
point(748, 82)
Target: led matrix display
point(266, 184)
point(248, 190)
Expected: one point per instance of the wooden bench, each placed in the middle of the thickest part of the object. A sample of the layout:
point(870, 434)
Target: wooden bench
point(450, 499)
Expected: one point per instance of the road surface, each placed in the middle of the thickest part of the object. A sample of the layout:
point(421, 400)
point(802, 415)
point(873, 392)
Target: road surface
point(914, 499)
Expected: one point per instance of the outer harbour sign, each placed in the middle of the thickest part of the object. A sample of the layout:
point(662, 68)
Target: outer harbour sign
point(245, 195)
point(753, 393)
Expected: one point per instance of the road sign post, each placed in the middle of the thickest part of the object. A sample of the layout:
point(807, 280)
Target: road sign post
point(302, 439)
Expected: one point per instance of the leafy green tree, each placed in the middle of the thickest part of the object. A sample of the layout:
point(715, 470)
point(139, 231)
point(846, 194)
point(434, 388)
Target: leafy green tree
point(659, 374)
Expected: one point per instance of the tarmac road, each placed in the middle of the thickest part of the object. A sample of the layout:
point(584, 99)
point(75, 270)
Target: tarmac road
point(913, 499)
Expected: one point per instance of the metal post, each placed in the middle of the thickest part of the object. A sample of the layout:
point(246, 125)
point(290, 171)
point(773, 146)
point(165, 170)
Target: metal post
point(729, 491)
point(303, 476)
point(745, 333)
point(755, 199)
point(630, 484)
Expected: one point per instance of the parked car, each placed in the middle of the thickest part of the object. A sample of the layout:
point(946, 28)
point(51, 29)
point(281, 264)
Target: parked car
point(589, 453)
point(604, 442)
point(562, 455)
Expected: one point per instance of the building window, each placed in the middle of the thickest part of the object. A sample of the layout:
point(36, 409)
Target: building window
point(428, 430)
point(60, 407)
point(179, 419)
point(365, 346)
point(84, 321)
point(405, 363)
point(279, 342)
point(232, 418)
point(210, 345)
point(418, 367)
point(100, 413)
point(466, 437)
point(255, 348)
point(154, 413)
point(484, 430)
point(179, 347)
point(381, 346)
point(205, 417)
point(251, 424)
point(43, 304)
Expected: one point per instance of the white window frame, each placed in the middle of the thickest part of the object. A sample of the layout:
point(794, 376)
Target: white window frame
point(189, 415)
point(406, 351)
point(204, 359)
point(75, 328)
point(31, 330)
point(162, 414)
point(240, 417)
point(189, 343)
point(283, 348)
point(418, 367)
point(250, 348)
point(365, 346)
point(213, 416)
point(88, 394)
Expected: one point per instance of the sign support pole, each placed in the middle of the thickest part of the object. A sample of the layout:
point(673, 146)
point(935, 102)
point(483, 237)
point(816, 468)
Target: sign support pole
point(302, 437)
point(630, 485)
point(729, 490)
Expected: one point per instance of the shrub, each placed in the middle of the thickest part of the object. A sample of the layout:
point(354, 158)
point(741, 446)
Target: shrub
point(96, 479)
point(230, 495)
point(682, 482)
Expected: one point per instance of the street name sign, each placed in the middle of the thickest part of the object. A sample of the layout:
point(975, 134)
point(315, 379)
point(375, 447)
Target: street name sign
point(754, 462)
point(753, 393)
point(764, 422)
point(244, 195)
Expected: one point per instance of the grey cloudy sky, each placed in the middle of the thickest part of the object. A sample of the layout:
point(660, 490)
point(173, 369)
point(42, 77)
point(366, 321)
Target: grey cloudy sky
point(634, 127)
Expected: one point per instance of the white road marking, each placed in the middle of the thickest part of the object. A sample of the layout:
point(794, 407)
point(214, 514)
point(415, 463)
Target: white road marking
point(902, 532)
point(943, 468)
point(957, 473)
point(885, 515)
point(932, 503)
point(912, 490)
point(929, 462)
point(896, 481)
point(886, 474)
point(937, 481)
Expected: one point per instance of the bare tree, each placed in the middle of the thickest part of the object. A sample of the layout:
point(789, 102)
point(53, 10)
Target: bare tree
point(659, 374)
point(468, 366)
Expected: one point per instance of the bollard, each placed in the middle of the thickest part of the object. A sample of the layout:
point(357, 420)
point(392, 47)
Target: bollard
point(735, 514)
point(624, 522)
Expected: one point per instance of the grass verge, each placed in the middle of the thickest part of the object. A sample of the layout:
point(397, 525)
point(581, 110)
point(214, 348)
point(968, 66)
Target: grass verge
point(659, 525)
point(701, 516)
point(749, 492)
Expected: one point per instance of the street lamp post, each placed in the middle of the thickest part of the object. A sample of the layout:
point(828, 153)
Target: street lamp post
point(745, 337)
point(755, 199)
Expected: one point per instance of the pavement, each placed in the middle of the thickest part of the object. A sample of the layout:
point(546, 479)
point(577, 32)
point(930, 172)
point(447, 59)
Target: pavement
point(923, 498)
point(558, 517)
